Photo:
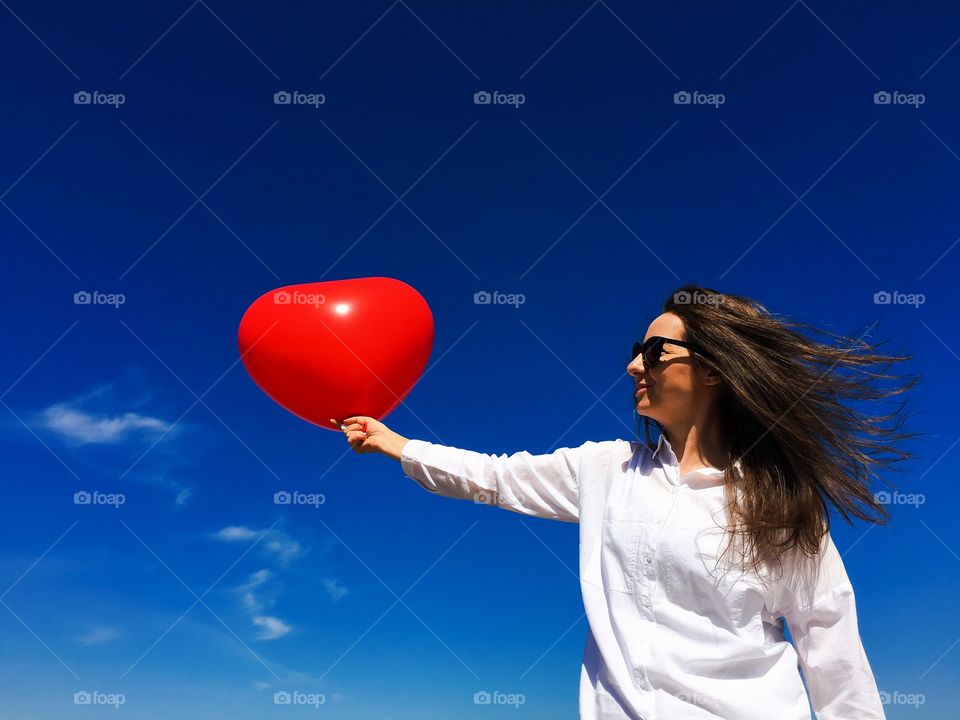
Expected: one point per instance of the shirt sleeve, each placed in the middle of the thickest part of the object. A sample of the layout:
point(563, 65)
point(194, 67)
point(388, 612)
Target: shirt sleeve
point(545, 486)
point(820, 610)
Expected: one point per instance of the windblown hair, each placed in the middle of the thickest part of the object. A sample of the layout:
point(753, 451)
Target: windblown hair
point(783, 415)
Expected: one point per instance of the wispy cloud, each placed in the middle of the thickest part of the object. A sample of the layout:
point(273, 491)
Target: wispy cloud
point(87, 428)
point(283, 546)
point(234, 533)
point(254, 602)
point(112, 416)
point(277, 543)
point(99, 636)
point(271, 627)
point(170, 481)
point(260, 591)
point(251, 601)
point(334, 589)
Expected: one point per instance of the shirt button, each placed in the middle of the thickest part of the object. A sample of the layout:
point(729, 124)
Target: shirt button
point(649, 557)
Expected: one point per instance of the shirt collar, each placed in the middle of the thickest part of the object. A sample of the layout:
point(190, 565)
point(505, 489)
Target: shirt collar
point(700, 477)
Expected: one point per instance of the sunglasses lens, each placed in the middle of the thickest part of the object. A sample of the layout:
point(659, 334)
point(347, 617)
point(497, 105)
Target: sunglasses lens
point(651, 357)
point(650, 351)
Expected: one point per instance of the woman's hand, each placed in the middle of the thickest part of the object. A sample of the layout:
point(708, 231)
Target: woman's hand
point(367, 435)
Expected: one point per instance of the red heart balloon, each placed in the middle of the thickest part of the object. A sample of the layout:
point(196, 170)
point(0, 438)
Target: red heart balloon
point(338, 348)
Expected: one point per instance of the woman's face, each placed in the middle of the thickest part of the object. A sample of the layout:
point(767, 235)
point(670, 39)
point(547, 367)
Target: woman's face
point(674, 390)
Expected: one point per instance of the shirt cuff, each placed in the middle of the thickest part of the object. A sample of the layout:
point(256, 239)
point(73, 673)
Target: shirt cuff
point(411, 461)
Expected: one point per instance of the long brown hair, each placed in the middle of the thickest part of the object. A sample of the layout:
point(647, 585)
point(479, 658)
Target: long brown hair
point(783, 415)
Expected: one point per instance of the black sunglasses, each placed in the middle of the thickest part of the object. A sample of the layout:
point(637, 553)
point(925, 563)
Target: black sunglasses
point(652, 348)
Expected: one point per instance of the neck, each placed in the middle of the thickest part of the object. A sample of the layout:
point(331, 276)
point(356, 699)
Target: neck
point(696, 444)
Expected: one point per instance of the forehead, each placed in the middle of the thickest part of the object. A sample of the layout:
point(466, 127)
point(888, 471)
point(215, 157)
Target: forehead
point(666, 325)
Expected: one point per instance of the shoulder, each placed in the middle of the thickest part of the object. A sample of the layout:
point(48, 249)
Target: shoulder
point(617, 454)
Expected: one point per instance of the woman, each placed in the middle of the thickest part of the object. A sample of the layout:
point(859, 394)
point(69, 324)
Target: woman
point(695, 550)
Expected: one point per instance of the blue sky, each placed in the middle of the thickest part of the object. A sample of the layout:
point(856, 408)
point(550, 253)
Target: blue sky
point(784, 178)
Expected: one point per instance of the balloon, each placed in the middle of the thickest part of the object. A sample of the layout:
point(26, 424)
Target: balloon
point(339, 348)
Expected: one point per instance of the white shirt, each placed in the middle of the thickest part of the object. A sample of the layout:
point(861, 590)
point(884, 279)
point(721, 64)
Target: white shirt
point(671, 637)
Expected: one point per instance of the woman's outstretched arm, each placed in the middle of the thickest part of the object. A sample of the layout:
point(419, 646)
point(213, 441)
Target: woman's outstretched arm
point(540, 485)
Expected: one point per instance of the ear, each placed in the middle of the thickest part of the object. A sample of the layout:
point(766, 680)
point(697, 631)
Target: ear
point(711, 376)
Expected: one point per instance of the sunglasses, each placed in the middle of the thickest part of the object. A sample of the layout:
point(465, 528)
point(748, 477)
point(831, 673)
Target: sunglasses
point(652, 348)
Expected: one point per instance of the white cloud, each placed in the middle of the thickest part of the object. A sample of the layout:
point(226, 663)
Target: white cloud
point(260, 590)
point(234, 533)
point(163, 478)
point(334, 589)
point(99, 636)
point(86, 428)
point(271, 628)
point(283, 547)
point(251, 601)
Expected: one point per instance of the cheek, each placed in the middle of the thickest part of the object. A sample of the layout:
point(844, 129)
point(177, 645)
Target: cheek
point(675, 383)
